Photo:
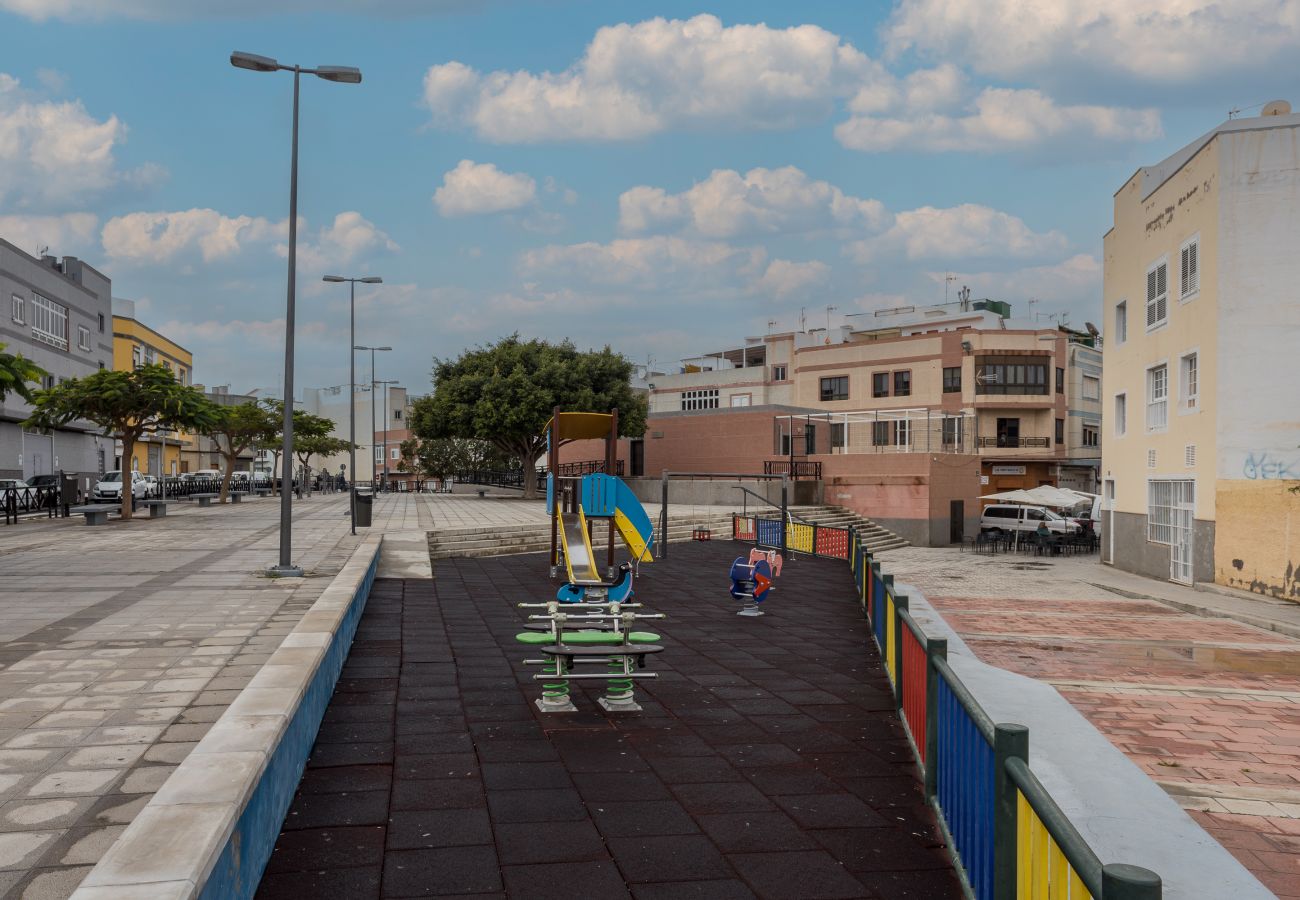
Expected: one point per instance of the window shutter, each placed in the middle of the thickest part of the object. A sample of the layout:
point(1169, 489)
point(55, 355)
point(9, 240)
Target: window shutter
point(1151, 459)
point(1189, 456)
point(1193, 281)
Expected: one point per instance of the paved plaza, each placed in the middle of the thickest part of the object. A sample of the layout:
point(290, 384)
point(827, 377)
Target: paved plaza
point(1201, 688)
point(768, 760)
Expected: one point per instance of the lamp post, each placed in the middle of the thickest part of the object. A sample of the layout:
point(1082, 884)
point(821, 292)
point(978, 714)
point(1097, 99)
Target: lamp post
point(352, 383)
point(385, 384)
point(344, 75)
point(372, 404)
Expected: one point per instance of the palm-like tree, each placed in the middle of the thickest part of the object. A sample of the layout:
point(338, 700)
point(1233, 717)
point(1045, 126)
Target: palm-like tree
point(17, 374)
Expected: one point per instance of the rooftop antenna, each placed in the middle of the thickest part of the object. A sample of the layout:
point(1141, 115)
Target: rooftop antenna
point(963, 297)
point(829, 310)
point(948, 279)
point(803, 319)
point(44, 250)
point(1030, 304)
point(771, 323)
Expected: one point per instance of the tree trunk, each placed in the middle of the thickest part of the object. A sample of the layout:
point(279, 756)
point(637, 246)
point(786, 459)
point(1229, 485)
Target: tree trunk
point(227, 476)
point(528, 460)
point(128, 491)
point(275, 471)
point(530, 481)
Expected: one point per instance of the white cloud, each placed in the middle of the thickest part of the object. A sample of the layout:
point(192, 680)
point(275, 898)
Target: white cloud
point(473, 188)
point(171, 10)
point(999, 119)
point(652, 263)
point(1072, 283)
point(350, 237)
point(637, 80)
point(959, 232)
point(1161, 41)
point(784, 277)
point(68, 233)
point(54, 154)
point(762, 201)
point(160, 237)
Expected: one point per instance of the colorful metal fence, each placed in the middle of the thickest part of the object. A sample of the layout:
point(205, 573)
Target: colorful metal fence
point(800, 537)
point(1010, 839)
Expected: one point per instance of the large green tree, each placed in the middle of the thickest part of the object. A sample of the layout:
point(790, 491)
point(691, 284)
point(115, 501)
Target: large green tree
point(236, 429)
point(17, 374)
point(504, 393)
point(311, 437)
point(127, 405)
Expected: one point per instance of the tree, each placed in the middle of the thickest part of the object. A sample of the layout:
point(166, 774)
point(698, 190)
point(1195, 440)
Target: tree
point(504, 394)
point(307, 445)
point(437, 458)
point(16, 372)
point(236, 429)
point(309, 434)
point(127, 405)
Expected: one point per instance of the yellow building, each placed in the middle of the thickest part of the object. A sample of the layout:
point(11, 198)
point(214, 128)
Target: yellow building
point(1202, 438)
point(136, 344)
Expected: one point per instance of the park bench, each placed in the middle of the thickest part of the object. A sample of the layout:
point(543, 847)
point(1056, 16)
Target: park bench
point(96, 513)
point(204, 499)
point(157, 508)
point(482, 492)
point(262, 491)
point(237, 496)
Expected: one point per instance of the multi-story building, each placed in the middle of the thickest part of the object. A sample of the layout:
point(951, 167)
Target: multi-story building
point(136, 344)
point(1203, 442)
point(59, 313)
point(380, 427)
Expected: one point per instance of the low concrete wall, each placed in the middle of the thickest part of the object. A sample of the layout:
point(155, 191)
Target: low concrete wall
point(1134, 553)
point(210, 829)
point(724, 493)
point(1123, 815)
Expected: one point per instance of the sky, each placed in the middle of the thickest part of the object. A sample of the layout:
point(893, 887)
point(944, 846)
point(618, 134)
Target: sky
point(661, 177)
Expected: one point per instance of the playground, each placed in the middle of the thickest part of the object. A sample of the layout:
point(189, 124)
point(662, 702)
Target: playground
point(766, 760)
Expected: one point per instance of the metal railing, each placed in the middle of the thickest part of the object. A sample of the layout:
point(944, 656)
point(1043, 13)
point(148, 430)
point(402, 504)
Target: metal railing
point(796, 469)
point(1008, 836)
point(987, 441)
point(585, 467)
point(798, 536)
point(17, 501)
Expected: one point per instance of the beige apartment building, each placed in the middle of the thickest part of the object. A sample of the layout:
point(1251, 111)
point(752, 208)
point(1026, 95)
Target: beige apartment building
point(1202, 323)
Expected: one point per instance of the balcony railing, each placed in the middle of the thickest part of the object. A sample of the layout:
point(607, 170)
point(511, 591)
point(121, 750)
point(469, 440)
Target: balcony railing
point(796, 469)
point(1015, 442)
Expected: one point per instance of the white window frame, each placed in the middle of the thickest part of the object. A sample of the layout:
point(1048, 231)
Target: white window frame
point(1096, 394)
point(1153, 405)
point(1190, 250)
point(1189, 400)
point(784, 370)
point(83, 337)
point(1158, 299)
point(1121, 322)
point(395, 453)
point(379, 453)
point(49, 322)
point(1120, 414)
point(705, 398)
point(1175, 491)
point(137, 356)
point(18, 309)
point(1095, 428)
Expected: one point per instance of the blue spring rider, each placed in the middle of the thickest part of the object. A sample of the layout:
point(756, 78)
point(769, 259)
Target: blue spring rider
point(751, 581)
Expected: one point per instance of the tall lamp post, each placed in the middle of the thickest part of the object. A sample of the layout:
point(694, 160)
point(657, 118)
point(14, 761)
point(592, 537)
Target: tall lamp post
point(372, 350)
point(344, 75)
point(352, 383)
point(386, 384)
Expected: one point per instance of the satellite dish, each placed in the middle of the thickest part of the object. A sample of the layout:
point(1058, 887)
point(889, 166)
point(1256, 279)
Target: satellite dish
point(1092, 329)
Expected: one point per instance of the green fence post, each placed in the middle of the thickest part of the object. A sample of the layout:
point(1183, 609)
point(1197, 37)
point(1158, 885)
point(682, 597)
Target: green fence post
point(1120, 881)
point(935, 648)
point(1009, 742)
point(900, 604)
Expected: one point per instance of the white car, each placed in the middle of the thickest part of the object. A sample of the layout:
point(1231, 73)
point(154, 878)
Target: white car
point(6, 483)
point(150, 482)
point(109, 488)
point(1006, 518)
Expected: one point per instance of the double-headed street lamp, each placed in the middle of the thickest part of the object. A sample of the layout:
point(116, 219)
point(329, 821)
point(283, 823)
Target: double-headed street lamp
point(344, 75)
point(372, 350)
point(352, 383)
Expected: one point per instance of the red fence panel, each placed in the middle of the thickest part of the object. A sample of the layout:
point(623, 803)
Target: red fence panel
point(914, 674)
point(742, 528)
point(832, 542)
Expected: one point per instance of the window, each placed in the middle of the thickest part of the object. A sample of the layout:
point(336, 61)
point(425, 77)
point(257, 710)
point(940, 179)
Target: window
point(379, 454)
point(101, 364)
point(1157, 398)
point(395, 453)
point(1189, 383)
point(397, 415)
point(1151, 459)
point(702, 399)
point(83, 337)
point(903, 432)
point(18, 309)
point(952, 431)
point(1091, 434)
point(101, 323)
point(1189, 271)
point(137, 356)
point(1157, 295)
point(1164, 498)
point(880, 433)
point(740, 399)
point(1060, 431)
point(810, 440)
point(1008, 432)
point(1189, 456)
point(1091, 387)
point(1121, 414)
point(837, 434)
point(1010, 375)
point(880, 384)
point(835, 388)
point(778, 373)
point(902, 384)
point(1121, 321)
point(49, 322)
point(1060, 381)
point(180, 374)
point(150, 355)
point(952, 379)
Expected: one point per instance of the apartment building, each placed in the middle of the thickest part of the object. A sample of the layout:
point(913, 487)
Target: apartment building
point(59, 313)
point(1203, 441)
point(381, 426)
point(136, 344)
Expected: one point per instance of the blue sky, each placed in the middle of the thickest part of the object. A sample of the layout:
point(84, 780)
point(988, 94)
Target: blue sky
point(662, 177)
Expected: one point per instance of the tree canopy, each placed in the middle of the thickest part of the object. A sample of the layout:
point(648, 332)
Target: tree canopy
point(127, 405)
point(504, 394)
point(236, 429)
point(17, 373)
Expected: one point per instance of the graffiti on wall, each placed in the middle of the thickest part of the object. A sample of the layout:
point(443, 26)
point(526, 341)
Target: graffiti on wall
point(1262, 465)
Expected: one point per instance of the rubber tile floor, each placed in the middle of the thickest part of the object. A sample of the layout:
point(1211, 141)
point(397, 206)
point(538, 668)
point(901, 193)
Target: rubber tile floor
point(767, 761)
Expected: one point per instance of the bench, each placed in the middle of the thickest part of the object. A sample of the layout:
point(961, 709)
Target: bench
point(482, 492)
point(204, 499)
point(96, 513)
point(157, 508)
point(237, 496)
point(262, 491)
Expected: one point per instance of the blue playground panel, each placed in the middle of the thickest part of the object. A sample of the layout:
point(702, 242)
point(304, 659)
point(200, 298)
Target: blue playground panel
point(769, 532)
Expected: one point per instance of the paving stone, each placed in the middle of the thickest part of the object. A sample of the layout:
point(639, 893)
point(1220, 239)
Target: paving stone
point(335, 810)
point(668, 858)
point(445, 871)
point(564, 881)
point(712, 889)
point(49, 884)
point(554, 805)
point(803, 875)
point(328, 848)
point(414, 829)
point(643, 817)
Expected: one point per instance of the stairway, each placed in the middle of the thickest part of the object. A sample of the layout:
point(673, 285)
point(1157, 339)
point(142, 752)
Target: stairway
point(874, 536)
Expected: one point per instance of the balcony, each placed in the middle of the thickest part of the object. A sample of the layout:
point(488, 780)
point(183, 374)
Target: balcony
point(1039, 443)
point(797, 469)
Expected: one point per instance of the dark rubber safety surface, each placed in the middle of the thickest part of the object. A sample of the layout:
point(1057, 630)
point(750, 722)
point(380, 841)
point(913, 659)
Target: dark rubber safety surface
point(768, 761)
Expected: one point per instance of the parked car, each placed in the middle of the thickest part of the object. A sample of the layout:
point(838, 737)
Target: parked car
point(43, 481)
point(109, 488)
point(208, 474)
point(1007, 518)
point(6, 483)
point(151, 484)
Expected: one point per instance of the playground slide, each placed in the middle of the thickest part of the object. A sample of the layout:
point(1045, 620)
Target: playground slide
point(633, 523)
point(578, 556)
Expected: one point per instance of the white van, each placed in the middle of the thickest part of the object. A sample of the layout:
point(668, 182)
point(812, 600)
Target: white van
point(1007, 518)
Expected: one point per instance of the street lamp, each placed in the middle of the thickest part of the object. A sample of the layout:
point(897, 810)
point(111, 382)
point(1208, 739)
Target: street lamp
point(352, 382)
point(372, 404)
point(386, 384)
point(343, 75)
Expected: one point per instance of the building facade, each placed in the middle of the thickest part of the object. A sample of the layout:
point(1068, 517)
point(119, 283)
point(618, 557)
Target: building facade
point(1203, 442)
point(58, 315)
point(380, 426)
point(136, 344)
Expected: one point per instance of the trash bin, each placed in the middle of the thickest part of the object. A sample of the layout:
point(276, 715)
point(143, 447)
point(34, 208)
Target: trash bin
point(364, 502)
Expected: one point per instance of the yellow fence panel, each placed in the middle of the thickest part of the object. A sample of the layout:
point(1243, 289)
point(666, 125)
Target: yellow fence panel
point(891, 664)
point(1042, 871)
point(799, 537)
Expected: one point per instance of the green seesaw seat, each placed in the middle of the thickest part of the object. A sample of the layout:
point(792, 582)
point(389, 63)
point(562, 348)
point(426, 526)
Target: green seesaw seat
point(587, 638)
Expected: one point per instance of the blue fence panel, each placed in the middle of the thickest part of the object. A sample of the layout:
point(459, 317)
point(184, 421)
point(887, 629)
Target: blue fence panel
point(769, 532)
point(878, 610)
point(965, 789)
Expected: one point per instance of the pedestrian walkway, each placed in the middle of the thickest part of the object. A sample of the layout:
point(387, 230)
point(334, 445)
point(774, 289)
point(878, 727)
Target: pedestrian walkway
point(768, 760)
point(1199, 688)
point(120, 645)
